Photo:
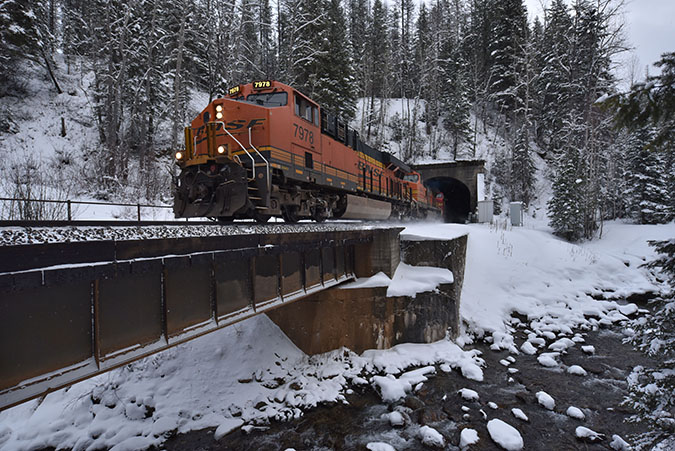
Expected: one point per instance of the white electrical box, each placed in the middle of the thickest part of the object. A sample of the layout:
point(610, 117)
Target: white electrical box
point(485, 211)
point(516, 213)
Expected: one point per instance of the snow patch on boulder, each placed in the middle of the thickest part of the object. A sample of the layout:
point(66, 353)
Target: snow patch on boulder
point(468, 437)
point(468, 394)
point(505, 435)
point(577, 370)
point(545, 400)
point(431, 437)
point(576, 413)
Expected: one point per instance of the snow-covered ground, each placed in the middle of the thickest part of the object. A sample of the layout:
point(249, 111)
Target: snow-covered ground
point(251, 372)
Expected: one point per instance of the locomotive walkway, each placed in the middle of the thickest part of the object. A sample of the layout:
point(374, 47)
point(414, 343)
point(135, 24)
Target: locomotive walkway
point(69, 311)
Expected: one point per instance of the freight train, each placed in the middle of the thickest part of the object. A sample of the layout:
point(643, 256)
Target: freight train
point(265, 149)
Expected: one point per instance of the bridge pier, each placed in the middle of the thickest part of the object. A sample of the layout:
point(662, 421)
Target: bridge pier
point(365, 318)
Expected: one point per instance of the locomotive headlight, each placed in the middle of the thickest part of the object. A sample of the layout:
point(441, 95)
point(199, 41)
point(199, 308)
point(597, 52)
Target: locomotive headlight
point(219, 115)
point(179, 155)
point(219, 108)
point(221, 149)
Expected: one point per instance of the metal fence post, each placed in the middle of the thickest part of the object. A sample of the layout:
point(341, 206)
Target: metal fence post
point(70, 213)
point(138, 211)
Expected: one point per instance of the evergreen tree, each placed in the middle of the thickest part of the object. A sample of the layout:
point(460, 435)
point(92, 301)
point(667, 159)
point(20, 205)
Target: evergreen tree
point(334, 80)
point(22, 37)
point(506, 48)
point(455, 95)
point(646, 194)
point(267, 57)
point(650, 106)
point(522, 167)
point(378, 70)
point(565, 209)
point(249, 52)
point(650, 102)
point(479, 38)
point(553, 82)
point(652, 390)
point(359, 18)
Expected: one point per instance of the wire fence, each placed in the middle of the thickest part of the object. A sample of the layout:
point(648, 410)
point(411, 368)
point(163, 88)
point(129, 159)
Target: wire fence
point(25, 209)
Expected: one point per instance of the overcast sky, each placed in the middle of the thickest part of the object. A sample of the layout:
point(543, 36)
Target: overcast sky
point(650, 26)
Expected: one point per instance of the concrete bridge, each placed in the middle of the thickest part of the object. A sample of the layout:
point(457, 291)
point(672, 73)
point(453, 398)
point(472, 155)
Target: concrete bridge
point(461, 183)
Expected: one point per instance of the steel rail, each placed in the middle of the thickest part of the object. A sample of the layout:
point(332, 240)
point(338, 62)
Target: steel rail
point(99, 223)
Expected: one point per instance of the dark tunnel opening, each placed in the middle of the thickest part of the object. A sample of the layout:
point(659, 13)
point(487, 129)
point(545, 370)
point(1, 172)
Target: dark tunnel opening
point(457, 198)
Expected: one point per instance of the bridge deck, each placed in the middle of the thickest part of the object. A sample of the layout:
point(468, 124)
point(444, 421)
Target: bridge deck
point(70, 311)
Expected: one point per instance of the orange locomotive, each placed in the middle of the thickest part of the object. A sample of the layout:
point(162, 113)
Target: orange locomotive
point(268, 150)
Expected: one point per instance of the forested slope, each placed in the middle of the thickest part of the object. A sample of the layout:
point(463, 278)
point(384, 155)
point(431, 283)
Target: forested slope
point(471, 77)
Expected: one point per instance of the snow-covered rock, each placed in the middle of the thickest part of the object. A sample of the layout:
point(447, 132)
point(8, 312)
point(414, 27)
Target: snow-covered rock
point(577, 370)
point(576, 413)
point(628, 309)
point(393, 388)
point(468, 394)
point(226, 427)
point(561, 344)
point(588, 349)
point(380, 446)
point(528, 348)
point(587, 434)
point(548, 360)
point(492, 405)
point(505, 435)
point(536, 341)
point(545, 400)
point(619, 444)
point(431, 437)
point(396, 419)
point(468, 437)
point(519, 414)
point(390, 388)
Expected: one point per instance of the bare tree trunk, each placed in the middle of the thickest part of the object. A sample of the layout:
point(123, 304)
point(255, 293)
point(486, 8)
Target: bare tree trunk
point(51, 72)
point(177, 86)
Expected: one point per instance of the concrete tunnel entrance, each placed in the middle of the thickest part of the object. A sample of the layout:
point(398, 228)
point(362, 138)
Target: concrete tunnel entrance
point(457, 198)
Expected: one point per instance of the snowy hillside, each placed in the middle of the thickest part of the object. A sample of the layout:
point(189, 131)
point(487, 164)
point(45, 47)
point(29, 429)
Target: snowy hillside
point(52, 144)
point(250, 372)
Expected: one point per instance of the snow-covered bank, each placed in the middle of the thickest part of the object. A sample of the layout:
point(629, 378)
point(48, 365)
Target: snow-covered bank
point(537, 275)
point(251, 372)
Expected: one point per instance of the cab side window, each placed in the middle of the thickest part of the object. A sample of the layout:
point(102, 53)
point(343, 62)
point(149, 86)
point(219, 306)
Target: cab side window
point(305, 110)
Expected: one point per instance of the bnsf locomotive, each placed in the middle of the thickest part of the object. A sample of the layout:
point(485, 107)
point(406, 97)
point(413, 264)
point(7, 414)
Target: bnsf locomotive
point(268, 150)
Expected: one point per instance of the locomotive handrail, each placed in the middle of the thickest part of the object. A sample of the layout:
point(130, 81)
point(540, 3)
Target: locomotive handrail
point(240, 145)
point(267, 164)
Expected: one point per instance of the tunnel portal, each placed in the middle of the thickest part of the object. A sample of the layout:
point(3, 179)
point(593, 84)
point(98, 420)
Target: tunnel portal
point(462, 185)
point(457, 198)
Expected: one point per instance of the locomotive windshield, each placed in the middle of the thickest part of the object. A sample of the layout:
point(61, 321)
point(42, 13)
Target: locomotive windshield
point(270, 99)
point(411, 178)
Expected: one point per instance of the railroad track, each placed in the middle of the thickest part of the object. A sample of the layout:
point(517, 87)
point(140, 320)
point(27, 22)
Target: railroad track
point(124, 223)
point(26, 233)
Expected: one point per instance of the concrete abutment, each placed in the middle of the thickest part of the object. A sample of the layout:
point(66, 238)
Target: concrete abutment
point(365, 318)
